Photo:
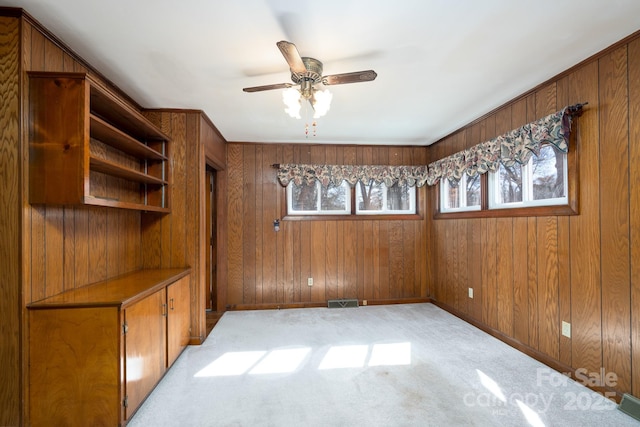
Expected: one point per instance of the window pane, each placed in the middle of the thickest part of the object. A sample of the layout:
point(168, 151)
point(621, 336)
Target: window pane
point(464, 196)
point(473, 191)
point(334, 198)
point(377, 199)
point(398, 198)
point(453, 200)
point(371, 196)
point(510, 183)
point(548, 174)
point(304, 197)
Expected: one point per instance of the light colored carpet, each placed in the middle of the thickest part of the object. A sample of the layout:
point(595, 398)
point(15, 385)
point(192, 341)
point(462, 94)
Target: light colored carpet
point(396, 365)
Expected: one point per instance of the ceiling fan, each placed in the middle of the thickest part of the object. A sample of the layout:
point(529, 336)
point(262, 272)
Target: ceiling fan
point(307, 72)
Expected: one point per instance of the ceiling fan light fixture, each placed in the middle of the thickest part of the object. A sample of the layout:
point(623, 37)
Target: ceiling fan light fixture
point(321, 102)
point(291, 98)
point(307, 73)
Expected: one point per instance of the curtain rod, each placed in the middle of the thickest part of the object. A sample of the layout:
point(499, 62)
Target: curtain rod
point(576, 109)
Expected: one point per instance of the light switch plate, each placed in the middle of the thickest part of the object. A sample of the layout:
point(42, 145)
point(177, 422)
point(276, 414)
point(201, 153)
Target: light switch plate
point(566, 329)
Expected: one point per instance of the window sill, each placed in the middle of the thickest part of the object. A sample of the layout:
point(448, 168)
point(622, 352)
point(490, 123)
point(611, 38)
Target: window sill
point(402, 217)
point(556, 210)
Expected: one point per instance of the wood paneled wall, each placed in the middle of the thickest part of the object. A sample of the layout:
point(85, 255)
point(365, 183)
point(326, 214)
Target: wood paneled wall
point(67, 247)
point(374, 260)
point(530, 274)
point(44, 250)
point(178, 239)
point(10, 214)
point(170, 241)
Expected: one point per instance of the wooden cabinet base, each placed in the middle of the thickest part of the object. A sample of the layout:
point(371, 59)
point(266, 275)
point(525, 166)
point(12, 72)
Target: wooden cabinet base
point(96, 352)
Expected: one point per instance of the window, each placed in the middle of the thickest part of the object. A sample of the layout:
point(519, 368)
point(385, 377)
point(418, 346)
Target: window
point(540, 182)
point(315, 199)
point(463, 197)
point(378, 195)
point(378, 199)
point(370, 199)
point(542, 186)
point(511, 175)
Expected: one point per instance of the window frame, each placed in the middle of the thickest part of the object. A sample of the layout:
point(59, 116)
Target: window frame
point(385, 211)
point(420, 205)
point(319, 211)
point(570, 208)
point(527, 189)
point(445, 199)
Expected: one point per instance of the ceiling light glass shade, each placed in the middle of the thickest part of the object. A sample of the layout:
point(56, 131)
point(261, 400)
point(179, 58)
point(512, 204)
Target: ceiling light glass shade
point(319, 99)
point(291, 98)
point(321, 102)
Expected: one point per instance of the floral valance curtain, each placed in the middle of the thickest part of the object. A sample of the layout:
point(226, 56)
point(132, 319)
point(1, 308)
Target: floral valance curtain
point(335, 174)
point(516, 146)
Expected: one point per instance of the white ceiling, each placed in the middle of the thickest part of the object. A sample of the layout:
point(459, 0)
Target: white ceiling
point(440, 63)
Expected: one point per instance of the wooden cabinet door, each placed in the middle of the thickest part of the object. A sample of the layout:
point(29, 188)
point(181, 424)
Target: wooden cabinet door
point(74, 367)
point(179, 318)
point(145, 343)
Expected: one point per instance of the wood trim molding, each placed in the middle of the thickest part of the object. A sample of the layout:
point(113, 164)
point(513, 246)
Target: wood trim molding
point(276, 306)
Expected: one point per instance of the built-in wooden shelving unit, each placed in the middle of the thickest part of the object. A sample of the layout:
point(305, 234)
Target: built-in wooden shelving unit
point(88, 147)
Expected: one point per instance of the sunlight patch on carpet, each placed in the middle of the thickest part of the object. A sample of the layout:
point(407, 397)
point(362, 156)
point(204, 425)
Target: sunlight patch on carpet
point(281, 361)
point(491, 385)
point(393, 354)
point(532, 416)
point(231, 363)
point(345, 356)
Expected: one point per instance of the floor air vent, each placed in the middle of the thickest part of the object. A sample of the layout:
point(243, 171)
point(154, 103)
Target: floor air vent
point(630, 405)
point(342, 303)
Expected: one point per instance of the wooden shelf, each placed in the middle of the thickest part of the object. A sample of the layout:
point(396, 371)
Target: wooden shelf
point(114, 137)
point(71, 115)
point(114, 203)
point(113, 110)
point(111, 168)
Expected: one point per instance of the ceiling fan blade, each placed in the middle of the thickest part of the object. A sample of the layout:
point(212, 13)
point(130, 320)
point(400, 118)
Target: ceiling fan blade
point(355, 77)
point(267, 87)
point(290, 53)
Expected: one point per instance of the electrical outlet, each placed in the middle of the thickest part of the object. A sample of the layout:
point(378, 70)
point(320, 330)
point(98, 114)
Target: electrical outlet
point(470, 292)
point(566, 329)
point(364, 302)
point(310, 281)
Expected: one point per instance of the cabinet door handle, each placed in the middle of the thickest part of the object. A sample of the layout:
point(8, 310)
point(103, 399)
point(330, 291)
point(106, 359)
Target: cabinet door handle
point(164, 310)
point(171, 304)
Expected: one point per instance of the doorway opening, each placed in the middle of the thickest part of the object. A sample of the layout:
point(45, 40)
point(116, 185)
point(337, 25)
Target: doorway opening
point(211, 293)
